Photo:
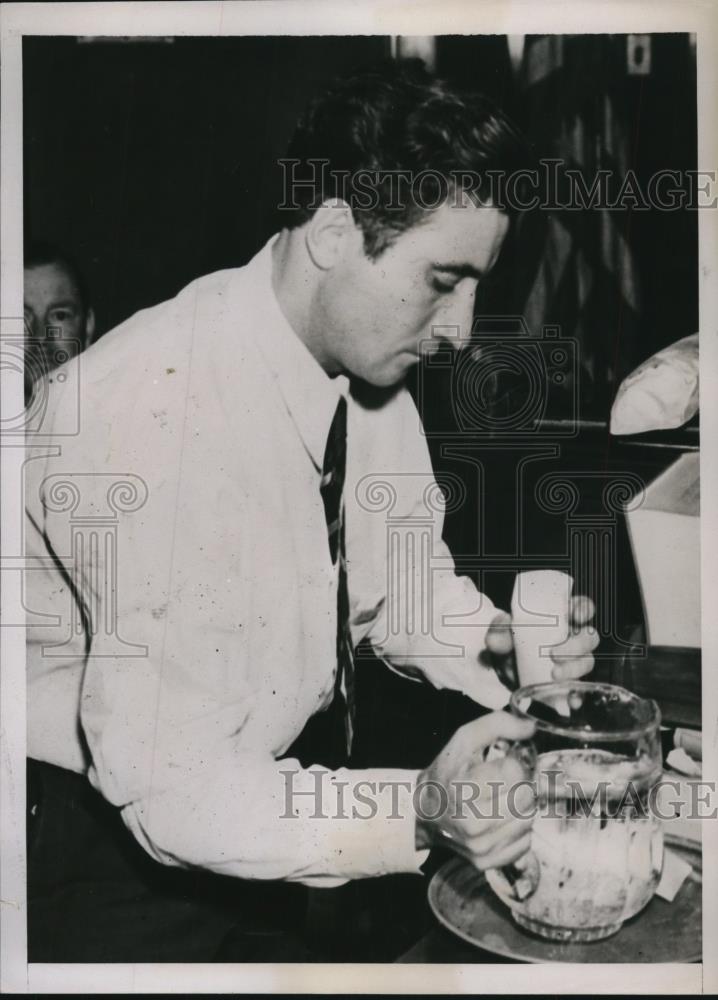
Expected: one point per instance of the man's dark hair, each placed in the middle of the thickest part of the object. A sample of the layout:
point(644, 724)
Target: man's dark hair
point(41, 252)
point(396, 117)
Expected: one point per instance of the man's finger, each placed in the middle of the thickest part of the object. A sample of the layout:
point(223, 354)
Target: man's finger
point(481, 733)
point(578, 644)
point(581, 610)
point(504, 855)
point(499, 837)
point(498, 636)
point(568, 670)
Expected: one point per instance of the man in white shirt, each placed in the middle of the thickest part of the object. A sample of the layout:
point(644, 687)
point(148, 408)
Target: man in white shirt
point(197, 602)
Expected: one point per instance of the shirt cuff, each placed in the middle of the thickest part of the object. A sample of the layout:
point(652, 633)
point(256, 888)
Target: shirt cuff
point(483, 686)
point(397, 843)
point(462, 672)
point(378, 828)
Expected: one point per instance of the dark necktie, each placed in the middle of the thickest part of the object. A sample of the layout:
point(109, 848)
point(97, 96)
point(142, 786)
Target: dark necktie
point(332, 490)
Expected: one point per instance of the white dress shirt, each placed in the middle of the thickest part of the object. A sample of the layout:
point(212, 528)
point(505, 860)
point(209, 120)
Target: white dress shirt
point(210, 593)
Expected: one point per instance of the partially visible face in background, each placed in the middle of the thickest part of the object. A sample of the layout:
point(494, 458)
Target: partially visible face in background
point(58, 324)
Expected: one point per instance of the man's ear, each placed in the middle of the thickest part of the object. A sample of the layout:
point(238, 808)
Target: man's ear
point(328, 231)
point(89, 326)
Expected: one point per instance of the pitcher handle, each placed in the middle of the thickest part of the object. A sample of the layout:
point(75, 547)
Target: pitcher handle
point(520, 879)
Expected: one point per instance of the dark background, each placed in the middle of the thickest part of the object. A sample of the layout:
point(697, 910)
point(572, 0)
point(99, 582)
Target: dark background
point(155, 161)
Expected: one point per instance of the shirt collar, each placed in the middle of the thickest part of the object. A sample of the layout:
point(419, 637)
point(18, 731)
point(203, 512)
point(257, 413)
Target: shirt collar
point(310, 395)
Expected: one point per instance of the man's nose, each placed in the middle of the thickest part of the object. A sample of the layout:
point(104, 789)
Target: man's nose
point(456, 323)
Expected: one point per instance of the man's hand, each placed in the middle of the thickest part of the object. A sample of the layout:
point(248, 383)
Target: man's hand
point(491, 828)
point(572, 658)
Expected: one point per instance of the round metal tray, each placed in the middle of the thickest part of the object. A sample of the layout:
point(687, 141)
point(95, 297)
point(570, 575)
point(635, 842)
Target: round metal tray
point(463, 902)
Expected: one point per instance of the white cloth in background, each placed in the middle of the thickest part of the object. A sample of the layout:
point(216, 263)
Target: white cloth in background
point(662, 393)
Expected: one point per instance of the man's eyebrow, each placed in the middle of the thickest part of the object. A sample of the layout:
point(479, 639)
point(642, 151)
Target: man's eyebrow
point(63, 304)
point(460, 270)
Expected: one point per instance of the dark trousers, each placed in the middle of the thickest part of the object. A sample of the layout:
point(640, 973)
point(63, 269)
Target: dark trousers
point(94, 895)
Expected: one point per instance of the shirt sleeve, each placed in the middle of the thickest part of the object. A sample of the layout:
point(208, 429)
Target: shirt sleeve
point(55, 649)
point(432, 622)
point(257, 818)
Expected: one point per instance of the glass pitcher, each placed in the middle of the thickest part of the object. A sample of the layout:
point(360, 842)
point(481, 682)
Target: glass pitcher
point(596, 848)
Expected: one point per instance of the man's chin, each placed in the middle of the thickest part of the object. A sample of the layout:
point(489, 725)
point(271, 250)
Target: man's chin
point(393, 374)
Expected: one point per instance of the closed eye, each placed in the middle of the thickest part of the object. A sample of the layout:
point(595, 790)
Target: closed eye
point(443, 286)
point(445, 277)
